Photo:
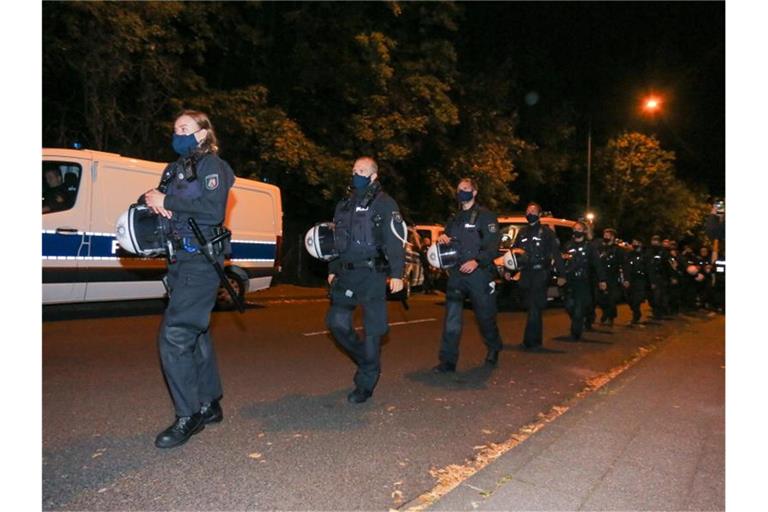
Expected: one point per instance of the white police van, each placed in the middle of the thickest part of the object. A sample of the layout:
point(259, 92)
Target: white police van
point(84, 192)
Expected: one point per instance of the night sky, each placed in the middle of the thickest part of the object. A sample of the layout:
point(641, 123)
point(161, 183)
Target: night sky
point(601, 58)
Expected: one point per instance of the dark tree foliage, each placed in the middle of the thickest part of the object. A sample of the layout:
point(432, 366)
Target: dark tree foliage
point(435, 91)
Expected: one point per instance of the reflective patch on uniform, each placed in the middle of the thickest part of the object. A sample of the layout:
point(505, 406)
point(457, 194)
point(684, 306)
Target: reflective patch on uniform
point(397, 217)
point(492, 284)
point(212, 182)
point(349, 293)
point(493, 227)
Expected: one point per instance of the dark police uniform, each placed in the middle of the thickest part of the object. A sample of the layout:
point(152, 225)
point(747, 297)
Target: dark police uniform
point(676, 277)
point(542, 248)
point(368, 251)
point(582, 267)
point(612, 261)
point(658, 278)
point(636, 268)
point(476, 231)
point(199, 189)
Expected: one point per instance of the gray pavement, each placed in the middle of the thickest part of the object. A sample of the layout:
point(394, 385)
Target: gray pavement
point(652, 439)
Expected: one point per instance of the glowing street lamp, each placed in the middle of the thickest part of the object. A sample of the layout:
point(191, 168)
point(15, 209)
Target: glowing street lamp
point(652, 104)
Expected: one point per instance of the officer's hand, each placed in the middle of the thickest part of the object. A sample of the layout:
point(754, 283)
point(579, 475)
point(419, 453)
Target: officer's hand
point(331, 277)
point(603, 285)
point(561, 281)
point(155, 200)
point(395, 285)
point(468, 267)
point(626, 284)
point(443, 239)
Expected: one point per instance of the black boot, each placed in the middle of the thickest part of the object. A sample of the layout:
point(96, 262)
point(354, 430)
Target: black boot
point(492, 357)
point(179, 433)
point(358, 396)
point(211, 412)
point(444, 367)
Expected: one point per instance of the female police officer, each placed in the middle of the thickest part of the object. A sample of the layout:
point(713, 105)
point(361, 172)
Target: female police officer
point(198, 186)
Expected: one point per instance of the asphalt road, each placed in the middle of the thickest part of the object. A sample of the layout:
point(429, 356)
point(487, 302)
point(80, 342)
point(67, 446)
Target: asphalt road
point(289, 439)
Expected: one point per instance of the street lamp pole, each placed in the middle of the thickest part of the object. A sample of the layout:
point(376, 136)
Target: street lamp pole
point(589, 164)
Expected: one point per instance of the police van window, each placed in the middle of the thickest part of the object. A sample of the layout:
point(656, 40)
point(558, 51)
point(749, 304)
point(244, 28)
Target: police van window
point(61, 181)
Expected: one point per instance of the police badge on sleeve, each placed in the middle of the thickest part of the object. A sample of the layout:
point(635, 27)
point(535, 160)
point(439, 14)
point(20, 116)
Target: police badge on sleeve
point(212, 182)
point(492, 227)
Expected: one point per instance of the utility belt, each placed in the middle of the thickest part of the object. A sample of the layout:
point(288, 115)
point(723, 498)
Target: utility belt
point(190, 244)
point(377, 264)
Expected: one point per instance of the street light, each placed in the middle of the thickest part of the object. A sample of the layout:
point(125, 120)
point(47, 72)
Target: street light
point(652, 104)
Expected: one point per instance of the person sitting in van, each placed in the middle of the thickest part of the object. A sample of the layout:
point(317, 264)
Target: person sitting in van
point(56, 196)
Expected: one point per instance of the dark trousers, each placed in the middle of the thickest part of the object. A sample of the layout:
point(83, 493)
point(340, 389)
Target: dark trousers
point(659, 298)
point(609, 298)
point(481, 290)
point(186, 351)
point(534, 284)
point(578, 303)
point(366, 288)
point(675, 297)
point(636, 296)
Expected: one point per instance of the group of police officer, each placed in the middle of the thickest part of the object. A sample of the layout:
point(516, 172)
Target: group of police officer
point(365, 247)
point(367, 240)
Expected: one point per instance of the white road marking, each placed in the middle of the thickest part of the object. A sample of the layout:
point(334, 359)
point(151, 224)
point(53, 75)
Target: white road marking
point(420, 321)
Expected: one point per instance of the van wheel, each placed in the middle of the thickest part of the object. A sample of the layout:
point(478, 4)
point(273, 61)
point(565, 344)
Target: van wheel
point(223, 299)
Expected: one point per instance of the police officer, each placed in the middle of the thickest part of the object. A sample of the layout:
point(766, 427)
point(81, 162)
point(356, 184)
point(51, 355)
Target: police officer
point(370, 238)
point(705, 281)
point(612, 262)
point(676, 277)
point(542, 249)
point(636, 269)
point(582, 262)
point(198, 188)
point(658, 278)
point(475, 230)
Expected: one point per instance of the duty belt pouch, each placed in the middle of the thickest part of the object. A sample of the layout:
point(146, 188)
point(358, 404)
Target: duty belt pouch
point(224, 246)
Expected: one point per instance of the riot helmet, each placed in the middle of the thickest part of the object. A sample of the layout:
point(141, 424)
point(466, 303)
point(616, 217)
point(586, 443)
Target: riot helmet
point(141, 231)
point(319, 241)
point(443, 255)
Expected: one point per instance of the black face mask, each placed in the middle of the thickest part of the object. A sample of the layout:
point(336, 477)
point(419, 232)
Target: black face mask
point(531, 218)
point(578, 235)
point(608, 241)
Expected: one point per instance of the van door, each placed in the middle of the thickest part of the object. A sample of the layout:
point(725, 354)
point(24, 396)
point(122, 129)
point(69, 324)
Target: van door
point(114, 274)
point(66, 212)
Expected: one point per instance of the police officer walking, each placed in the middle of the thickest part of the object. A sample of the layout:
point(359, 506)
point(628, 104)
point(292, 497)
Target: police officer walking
point(676, 277)
point(198, 188)
point(369, 237)
point(612, 261)
point(636, 268)
point(474, 230)
point(542, 249)
point(658, 278)
point(581, 263)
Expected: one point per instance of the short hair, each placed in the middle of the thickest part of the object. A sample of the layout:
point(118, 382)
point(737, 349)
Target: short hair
point(610, 230)
point(580, 223)
point(533, 203)
point(472, 182)
point(372, 165)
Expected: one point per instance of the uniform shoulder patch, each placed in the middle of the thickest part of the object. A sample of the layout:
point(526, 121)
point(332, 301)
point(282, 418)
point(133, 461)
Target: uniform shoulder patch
point(397, 217)
point(493, 227)
point(211, 182)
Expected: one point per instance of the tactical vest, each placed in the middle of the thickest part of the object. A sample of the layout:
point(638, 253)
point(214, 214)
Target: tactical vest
point(533, 242)
point(468, 234)
point(358, 232)
point(635, 263)
point(180, 187)
point(608, 258)
point(577, 267)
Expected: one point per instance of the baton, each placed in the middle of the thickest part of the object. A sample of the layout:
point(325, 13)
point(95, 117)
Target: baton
point(206, 248)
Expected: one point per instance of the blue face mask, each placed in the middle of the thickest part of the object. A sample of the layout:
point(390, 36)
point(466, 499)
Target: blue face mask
point(360, 182)
point(532, 218)
point(464, 195)
point(184, 144)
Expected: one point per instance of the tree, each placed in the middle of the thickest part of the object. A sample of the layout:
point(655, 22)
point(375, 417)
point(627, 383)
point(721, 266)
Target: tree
point(640, 193)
